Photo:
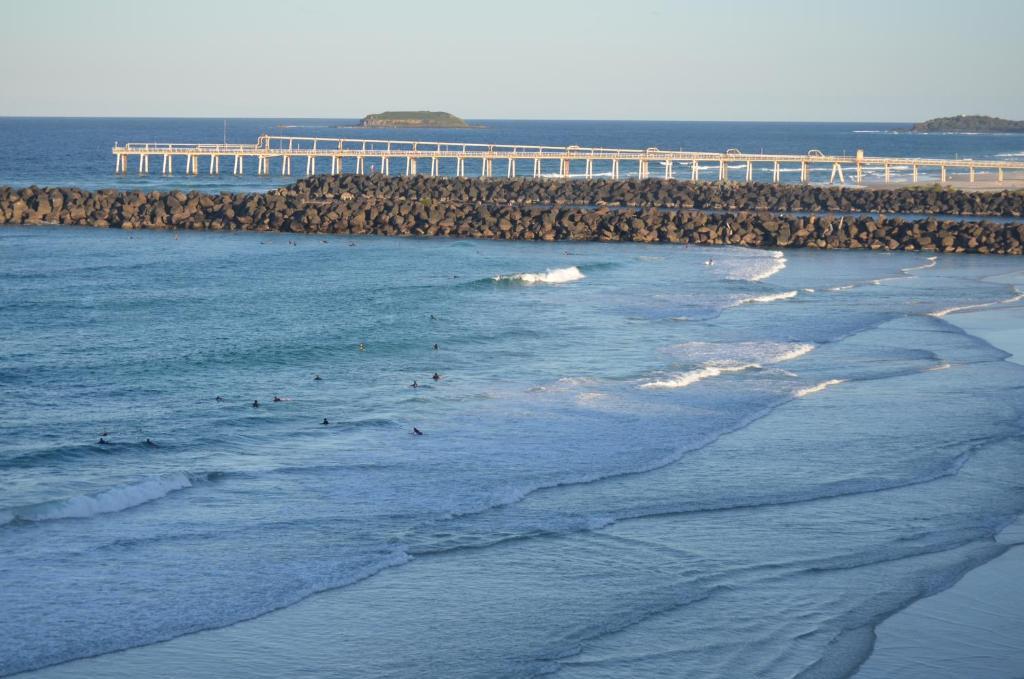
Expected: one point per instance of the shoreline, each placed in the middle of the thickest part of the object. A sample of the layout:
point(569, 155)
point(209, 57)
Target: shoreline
point(647, 211)
point(980, 617)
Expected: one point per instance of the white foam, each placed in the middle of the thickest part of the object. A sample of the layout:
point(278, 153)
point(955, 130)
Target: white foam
point(821, 386)
point(840, 288)
point(971, 307)
point(688, 378)
point(764, 299)
point(108, 501)
point(932, 261)
point(752, 266)
point(566, 275)
point(721, 359)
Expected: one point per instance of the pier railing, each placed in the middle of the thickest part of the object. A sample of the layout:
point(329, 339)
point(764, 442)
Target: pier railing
point(516, 160)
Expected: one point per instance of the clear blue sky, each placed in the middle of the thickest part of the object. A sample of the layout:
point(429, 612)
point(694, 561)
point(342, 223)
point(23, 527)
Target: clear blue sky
point(865, 60)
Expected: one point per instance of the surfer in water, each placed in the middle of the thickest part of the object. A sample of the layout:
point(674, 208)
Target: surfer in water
point(149, 442)
point(436, 347)
point(325, 422)
point(255, 403)
point(317, 378)
point(709, 262)
point(103, 441)
point(415, 384)
point(436, 377)
point(278, 399)
point(417, 432)
point(219, 399)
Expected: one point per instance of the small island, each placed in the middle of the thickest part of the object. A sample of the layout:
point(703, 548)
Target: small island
point(438, 119)
point(964, 123)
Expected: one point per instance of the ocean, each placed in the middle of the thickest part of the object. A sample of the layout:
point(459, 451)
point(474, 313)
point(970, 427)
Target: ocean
point(77, 151)
point(636, 460)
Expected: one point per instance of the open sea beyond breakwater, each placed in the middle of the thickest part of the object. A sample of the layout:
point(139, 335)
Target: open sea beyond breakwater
point(633, 463)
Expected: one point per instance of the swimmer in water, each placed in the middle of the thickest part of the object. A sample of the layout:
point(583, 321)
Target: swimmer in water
point(435, 346)
point(709, 262)
point(325, 422)
point(255, 403)
point(149, 442)
point(417, 432)
point(436, 377)
point(317, 378)
point(278, 399)
point(103, 441)
point(219, 398)
point(433, 317)
point(414, 384)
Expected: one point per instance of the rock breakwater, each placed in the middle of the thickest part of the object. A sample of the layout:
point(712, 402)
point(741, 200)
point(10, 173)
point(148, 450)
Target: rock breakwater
point(769, 215)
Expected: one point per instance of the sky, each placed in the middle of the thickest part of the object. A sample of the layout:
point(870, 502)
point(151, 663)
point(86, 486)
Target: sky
point(795, 60)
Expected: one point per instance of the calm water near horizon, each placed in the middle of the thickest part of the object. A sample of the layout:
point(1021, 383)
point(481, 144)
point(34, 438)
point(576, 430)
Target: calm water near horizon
point(633, 463)
point(76, 151)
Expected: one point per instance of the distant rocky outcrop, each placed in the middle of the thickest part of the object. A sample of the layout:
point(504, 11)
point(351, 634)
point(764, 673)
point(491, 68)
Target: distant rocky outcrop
point(413, 119)
point(645, 211)
point(970, 124)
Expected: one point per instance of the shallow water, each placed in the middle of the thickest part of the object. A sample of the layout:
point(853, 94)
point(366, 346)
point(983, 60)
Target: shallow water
point(634, 463)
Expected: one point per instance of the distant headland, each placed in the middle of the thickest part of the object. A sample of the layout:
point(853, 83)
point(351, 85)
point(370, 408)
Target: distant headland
point(439, 119)
point(963, 123)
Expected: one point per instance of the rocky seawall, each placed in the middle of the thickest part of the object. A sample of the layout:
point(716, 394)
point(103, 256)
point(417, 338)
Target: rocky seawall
point(649, 211)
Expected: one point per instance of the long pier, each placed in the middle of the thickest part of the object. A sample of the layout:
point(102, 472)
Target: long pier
point(363, 156)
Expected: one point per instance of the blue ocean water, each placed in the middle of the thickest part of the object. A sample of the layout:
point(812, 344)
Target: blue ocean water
point(633, 463)
point(77, 151)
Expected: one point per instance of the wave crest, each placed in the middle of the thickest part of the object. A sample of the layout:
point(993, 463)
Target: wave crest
point(745, 356)
point(566, 275)
point(108, 501)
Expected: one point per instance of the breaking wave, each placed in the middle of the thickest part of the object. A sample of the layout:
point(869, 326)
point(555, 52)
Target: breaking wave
point(566, 275)
point(821, 386)
point(739, 358)
point(108, 501)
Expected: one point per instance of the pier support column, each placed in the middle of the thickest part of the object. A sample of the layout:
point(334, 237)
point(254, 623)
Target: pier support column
point(237, 168)
point(750, 170)
point(142, 163)
point(166, 169)
point(860, 173)
point(286, 165)
point(837, 171)
point(410, 166)
point(1000, 174)
point(460, 167)
point(695, 170)
point(971, 171)
point(886, 172)
point(803, 171)
point(913, 172)
point(385, 165)
point(942, 173)
point(360, 165)
point(565, 167)
point(615, 168)
point(310, 169)
point(195, 165)
point(723, 171)
point(589, 168)
point(641, 169)
point(433, 166)
point(776, 172)
point(668, 169)
point(487, 168)
point(511, 167)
